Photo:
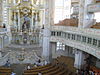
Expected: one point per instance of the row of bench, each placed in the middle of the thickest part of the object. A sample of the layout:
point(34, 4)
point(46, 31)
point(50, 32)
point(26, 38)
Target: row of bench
point(5, 71)
point(50, 69)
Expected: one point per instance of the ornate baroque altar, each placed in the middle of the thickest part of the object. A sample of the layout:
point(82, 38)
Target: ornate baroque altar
point(27, 18)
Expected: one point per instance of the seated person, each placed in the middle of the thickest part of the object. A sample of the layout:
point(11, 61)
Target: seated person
point(38, 62)
point(35, 65)
point(7, 64)
point(13, 73)
point(28, 67)
point(45, 62)
point(39, 73)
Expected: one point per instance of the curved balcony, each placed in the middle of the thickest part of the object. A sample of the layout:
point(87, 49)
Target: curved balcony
point(94, 7)
point(3, 30)
point(74, 1)
point(87, 40)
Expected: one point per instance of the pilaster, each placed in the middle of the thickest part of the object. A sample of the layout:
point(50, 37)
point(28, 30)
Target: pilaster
point(46, 44)
point(85, 19)
point(53, 49)
point(79, 59)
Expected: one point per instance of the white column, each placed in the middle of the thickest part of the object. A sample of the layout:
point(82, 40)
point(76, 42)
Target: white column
point(14, 18)
point(14, 2)
point(81, 13)
point(46, 31)
point(19, 21)
point(32, 20)
point(47, 13)
point(36, 23)
point(0, 53)
point(43, 17)
point(53, 46)
point(79, 59)
point(19, 1)
point(46, 44)
point(0, 42)
point(51, 11)
point(32, 2)
point(85, 19)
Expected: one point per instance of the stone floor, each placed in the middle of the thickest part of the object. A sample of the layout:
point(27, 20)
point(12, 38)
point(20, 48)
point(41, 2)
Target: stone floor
point(19, 68)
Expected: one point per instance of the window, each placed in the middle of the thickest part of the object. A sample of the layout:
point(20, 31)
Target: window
point(94, 42)
point(73, 36)
point(53, 33)
point(89, 40)
point(58, 33)
point(83, 39)
point(78, 38)
point(63, 34)
point(68, 36)
point(60, 46)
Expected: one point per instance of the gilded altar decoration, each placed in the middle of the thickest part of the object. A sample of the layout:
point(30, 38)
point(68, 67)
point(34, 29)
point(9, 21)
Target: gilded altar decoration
point(27, 17)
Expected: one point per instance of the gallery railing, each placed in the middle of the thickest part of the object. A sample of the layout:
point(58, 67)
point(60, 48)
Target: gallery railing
point(86, 37)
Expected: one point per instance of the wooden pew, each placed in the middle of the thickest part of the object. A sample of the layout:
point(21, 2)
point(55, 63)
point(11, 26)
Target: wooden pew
point(5, 71)
point(43, 71)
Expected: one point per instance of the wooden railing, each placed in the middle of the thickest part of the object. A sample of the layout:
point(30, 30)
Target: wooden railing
point(5, 71)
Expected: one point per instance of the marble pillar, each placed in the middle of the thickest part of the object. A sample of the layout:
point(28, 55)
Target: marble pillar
point(81, 13)
point(46, 30)
point(0, 43)
point(15, 19)
point(19, 21)
point(0, 53)
point(47, 20)
point(79, 59)
point(85, 19)
point(53, 46)
point(51, 11)
point(2, 46)
point(14, 1)
point(46, 44)
point(32, 20)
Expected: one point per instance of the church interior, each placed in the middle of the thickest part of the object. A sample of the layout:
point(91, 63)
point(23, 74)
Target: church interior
point(49, 37)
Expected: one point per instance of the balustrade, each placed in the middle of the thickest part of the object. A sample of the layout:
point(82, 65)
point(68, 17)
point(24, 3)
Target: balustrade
point(77, 37)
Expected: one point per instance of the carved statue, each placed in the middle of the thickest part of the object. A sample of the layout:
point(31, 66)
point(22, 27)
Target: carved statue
point(26, 24)
point(34, 19)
